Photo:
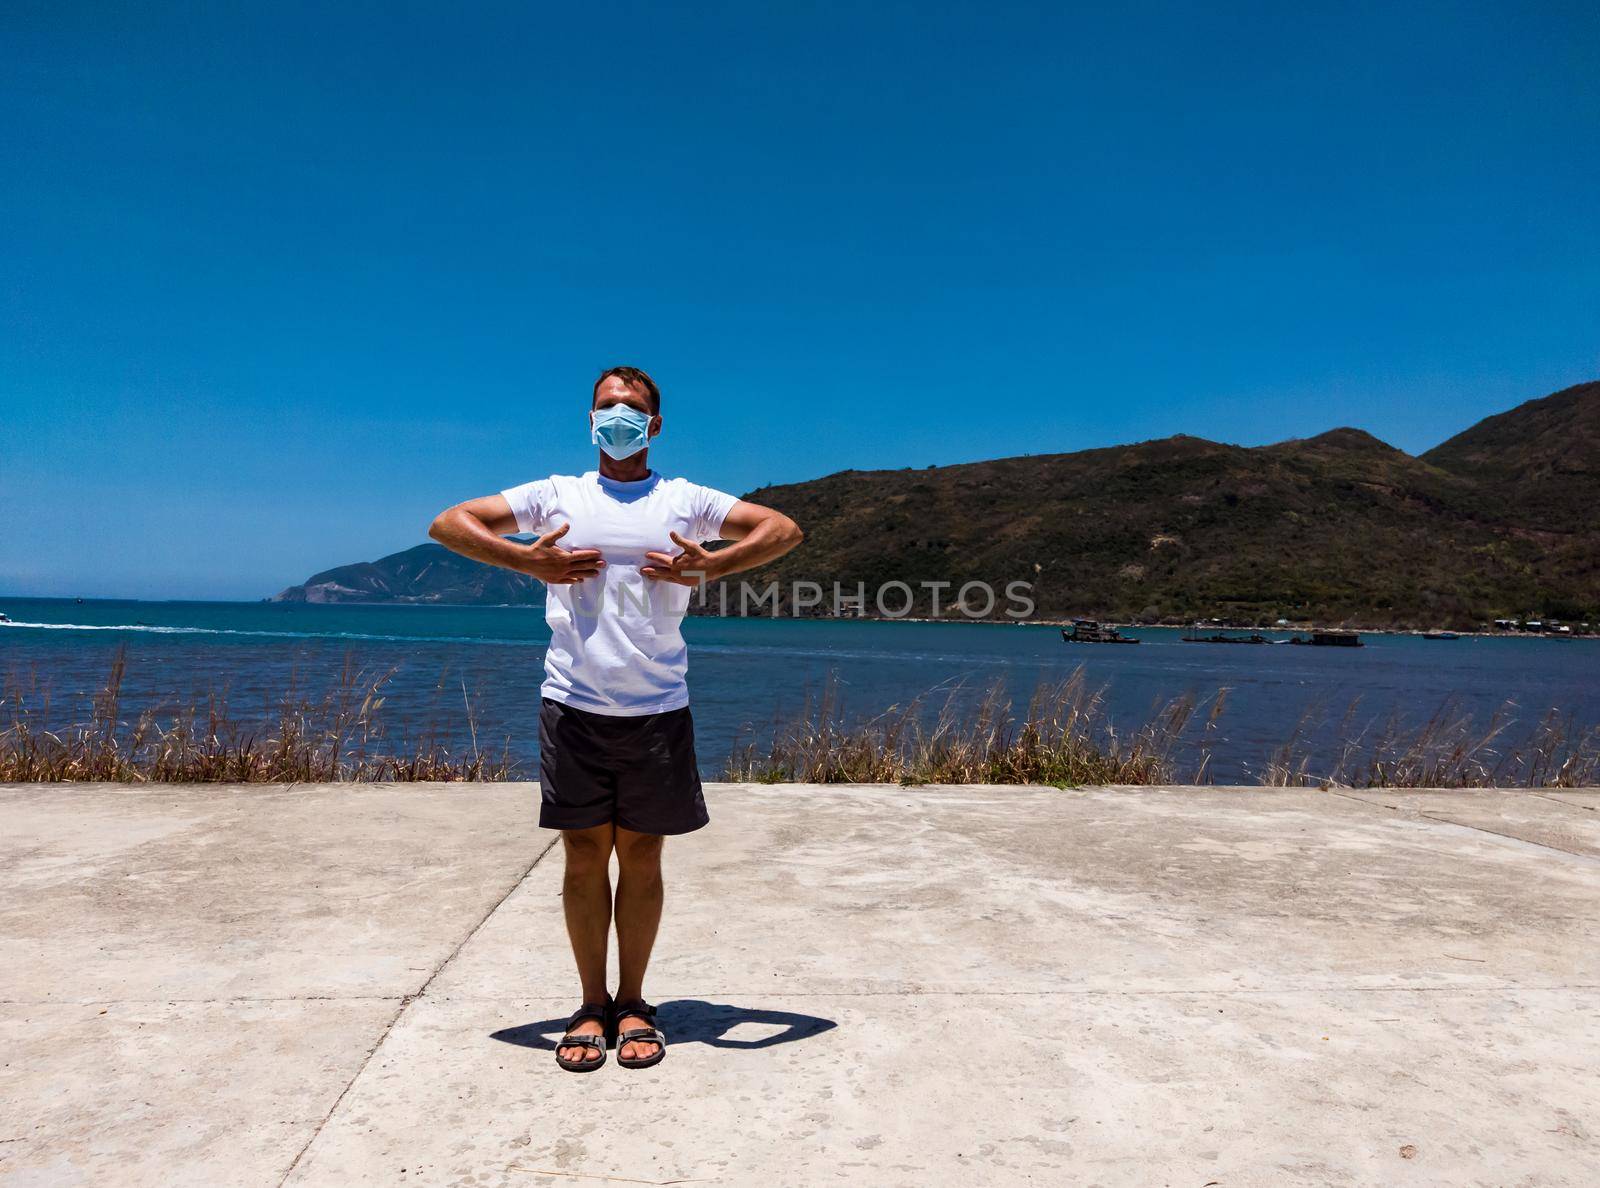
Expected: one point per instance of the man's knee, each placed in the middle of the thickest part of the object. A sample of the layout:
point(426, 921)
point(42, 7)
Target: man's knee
point(587, 850)
point(639, 852)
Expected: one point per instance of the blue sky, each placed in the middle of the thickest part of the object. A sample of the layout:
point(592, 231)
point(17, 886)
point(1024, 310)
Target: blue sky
point(279, 282)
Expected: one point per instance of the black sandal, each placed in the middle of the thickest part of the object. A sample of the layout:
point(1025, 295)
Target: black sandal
point(601, 1013)
point(642, 1035)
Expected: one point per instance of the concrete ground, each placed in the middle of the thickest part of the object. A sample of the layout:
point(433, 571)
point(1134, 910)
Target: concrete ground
point(860, 985)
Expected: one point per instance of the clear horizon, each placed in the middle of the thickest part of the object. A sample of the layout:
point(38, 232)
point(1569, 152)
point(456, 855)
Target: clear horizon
point(283, 283)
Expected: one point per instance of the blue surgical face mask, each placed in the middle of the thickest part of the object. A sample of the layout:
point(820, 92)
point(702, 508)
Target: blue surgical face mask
point(619, 430)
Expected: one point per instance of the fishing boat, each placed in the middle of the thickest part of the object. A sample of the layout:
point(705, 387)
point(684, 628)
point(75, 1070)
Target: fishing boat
point(4, 618)
point(1090, 631)
point(1330, 639)
point(1441, 635)
point(1220, 637)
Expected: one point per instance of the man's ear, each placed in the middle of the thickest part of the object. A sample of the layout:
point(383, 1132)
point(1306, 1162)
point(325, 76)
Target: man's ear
point(654, 429)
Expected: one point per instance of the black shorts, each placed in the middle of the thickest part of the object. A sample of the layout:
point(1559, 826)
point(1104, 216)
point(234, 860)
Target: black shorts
point(639, 772)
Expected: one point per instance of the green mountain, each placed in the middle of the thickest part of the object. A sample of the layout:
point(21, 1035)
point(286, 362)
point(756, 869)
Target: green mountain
point(1540, 462)
point(429, 573)
point(1500, 520)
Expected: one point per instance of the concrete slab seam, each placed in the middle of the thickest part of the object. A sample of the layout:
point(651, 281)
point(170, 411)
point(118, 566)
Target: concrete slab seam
point(1582, 808)
point(234, 999)
point(407, 1001)
point(1084, 992)
point(1510, 837)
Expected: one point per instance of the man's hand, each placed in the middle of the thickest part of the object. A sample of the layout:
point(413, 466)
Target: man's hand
point(689, 568)
point(549, 562)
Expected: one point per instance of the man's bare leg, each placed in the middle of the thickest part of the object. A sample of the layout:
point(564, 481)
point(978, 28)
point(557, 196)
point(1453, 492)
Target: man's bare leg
point(586, 901)
point(639, 898)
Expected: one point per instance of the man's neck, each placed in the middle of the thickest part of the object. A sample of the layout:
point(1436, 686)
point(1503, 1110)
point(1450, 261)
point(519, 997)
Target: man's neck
point(629, 470)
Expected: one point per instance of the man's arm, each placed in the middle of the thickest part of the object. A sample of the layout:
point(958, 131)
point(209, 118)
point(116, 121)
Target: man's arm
point(760, 534)
point(478, 528)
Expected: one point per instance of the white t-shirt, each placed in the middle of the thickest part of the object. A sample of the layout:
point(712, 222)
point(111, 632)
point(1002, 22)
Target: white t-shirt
point(615, 640)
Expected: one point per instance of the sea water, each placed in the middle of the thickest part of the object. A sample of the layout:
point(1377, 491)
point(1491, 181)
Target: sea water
point(744, 674)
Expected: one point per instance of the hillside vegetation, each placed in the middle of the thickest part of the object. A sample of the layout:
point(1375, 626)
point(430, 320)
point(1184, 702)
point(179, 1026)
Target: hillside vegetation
point(1501, 520)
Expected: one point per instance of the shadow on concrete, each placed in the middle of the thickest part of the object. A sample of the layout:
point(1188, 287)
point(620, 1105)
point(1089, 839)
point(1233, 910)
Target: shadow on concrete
point(690, 1021)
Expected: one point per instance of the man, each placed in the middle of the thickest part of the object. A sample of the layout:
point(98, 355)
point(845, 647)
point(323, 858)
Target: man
point(619, 550)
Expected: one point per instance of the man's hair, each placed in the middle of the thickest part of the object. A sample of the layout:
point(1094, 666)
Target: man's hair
point(634, 378)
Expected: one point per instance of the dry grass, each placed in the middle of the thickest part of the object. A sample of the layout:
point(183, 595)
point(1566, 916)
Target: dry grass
point(336, 737)
point(1452, 749)
point(1063, 738)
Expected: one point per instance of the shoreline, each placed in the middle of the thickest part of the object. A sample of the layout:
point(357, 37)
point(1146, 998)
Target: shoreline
point(1296, 627)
